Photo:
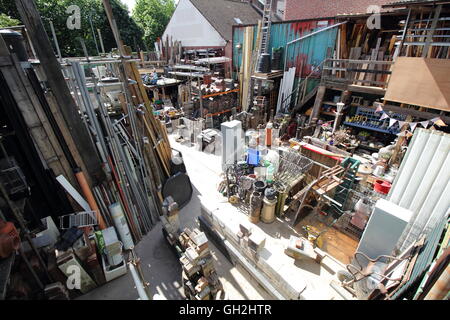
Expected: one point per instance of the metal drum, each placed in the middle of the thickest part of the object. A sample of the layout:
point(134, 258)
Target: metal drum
point(255, 207)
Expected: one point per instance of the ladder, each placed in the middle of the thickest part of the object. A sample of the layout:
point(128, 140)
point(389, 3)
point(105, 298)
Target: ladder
point(263, 43)
point(265, 28)
point(79, 220)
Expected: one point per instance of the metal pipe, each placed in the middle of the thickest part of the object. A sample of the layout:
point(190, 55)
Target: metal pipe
point(81, 82)
point(138, 282)
point(90, 198)
point(101, 40)
point(93, 34)
point(55, 39)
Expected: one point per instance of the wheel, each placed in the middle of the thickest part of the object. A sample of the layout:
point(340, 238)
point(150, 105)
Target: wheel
point(345, 276)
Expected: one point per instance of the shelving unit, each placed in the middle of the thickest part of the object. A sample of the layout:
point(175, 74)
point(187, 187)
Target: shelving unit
point(371, 118)
point(328, 113)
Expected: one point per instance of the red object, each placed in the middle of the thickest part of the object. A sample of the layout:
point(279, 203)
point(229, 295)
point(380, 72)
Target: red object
point(382, 186)
point(9, 239)
point(268, 137)
point(8, 228)
point(310, 147)
point(8, 244)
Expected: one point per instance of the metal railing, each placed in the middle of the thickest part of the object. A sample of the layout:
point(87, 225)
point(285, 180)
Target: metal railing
point(357, 72)
point(342, 71)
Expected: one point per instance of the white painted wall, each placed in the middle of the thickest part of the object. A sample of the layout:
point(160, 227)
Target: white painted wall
point(190, 27)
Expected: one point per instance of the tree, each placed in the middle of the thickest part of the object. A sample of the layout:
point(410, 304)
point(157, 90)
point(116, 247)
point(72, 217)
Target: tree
point(7, 21)
point(130, 32)
point(8, 8)
point(90, 11)
point(153, 16)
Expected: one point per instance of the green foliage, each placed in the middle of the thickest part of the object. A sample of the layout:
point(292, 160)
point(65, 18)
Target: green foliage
point(8, 7)
point(7, 21)
point(91, 10)
point(153, 16)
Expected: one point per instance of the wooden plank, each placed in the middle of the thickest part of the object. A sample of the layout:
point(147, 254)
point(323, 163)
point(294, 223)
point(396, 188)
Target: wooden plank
point(426, 52)
point(343, 38)
point(68, 138)
point(414, 81)
point(50, 136)
point(28, 104)
point(317, 104)
point(367, 89)
point(158, 146)
point(373, 57)
point(52, 69)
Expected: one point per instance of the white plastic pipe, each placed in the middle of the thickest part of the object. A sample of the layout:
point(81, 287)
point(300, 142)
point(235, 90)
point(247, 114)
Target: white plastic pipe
point(121, 225)
point(138, 282)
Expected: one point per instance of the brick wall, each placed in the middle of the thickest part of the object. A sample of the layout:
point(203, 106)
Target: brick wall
point(310, 9)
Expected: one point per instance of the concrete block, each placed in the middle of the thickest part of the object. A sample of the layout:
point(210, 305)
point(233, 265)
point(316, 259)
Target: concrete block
point(256, 241)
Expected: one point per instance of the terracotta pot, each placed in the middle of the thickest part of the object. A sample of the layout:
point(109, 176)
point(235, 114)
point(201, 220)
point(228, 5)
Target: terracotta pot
point(8, 228)
point(8, 244)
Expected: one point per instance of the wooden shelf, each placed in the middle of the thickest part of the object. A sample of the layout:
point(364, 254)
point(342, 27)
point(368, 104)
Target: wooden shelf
point(331, 114)
point(368, 128)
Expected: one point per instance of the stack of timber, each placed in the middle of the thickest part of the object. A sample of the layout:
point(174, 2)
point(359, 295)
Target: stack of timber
point(106, 158)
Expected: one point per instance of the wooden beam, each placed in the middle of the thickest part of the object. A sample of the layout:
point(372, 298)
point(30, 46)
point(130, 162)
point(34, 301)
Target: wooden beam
point(415, 113)
point(429, 39)
point(317, 104)
point(52, 69)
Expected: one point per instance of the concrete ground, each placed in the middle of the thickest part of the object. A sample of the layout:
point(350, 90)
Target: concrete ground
point(160, 264)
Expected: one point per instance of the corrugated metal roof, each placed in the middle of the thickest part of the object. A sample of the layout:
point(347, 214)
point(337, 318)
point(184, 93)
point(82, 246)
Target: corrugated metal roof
point(424, 260)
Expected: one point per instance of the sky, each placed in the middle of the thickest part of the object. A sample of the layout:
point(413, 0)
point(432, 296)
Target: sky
point(131, 3)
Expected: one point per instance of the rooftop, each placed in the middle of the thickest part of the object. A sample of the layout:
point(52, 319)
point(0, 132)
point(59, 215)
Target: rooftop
point(224, 13)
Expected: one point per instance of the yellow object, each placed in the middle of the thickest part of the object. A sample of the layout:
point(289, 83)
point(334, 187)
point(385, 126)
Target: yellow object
point(314, 236)
point(233, 199)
